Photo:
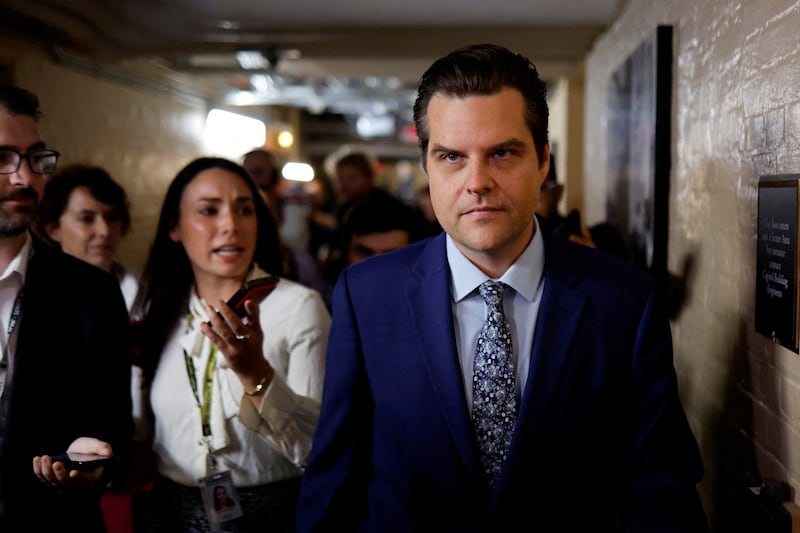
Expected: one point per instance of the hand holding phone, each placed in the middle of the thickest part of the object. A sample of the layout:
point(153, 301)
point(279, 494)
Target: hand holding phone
point(83, 462)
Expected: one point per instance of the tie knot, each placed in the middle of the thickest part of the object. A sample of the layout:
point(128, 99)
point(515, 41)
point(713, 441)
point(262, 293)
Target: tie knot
point(492, 292)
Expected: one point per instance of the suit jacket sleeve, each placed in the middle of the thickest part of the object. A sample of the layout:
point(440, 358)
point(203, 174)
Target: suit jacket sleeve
point(333, 495)
point(666, 463)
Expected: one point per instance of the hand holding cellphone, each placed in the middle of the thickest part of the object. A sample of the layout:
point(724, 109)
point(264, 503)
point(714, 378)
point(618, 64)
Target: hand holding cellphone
point(84, 462)
point(255, 289)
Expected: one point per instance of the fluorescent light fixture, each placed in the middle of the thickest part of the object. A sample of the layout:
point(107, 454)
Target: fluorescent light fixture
point(251, 60)
point(369, 125)
point(295, 171)
point(231, 135)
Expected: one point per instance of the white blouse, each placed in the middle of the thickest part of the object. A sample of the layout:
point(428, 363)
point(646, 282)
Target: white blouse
point(257, 446)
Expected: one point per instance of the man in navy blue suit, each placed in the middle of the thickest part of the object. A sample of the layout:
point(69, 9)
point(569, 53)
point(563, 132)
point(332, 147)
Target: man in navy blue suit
point(599, 440)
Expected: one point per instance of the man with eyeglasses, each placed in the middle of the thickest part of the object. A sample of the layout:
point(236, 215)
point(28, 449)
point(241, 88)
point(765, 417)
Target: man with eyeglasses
point(66, 352)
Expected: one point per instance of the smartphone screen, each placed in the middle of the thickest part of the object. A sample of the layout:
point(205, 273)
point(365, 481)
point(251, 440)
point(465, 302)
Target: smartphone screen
point(255, 289)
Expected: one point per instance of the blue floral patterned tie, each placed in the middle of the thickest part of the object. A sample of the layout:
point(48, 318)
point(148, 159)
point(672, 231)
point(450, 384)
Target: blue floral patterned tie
point(494, 401)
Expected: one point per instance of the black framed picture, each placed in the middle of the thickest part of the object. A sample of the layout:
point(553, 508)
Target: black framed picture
point(639, 150)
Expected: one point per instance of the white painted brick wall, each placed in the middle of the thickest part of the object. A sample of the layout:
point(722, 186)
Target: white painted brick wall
point(736, 116)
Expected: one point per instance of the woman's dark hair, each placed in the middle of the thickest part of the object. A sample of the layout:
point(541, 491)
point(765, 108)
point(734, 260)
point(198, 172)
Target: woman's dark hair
point(167, 277)
point(483, 69)
point(60, 186)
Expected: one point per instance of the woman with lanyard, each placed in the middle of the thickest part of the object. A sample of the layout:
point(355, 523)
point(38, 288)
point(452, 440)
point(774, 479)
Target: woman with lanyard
point(234, 400)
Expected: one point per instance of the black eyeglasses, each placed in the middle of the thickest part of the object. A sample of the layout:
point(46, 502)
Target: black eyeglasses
point(40, 161)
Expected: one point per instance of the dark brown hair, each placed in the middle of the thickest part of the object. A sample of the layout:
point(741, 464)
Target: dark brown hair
point(483, 69)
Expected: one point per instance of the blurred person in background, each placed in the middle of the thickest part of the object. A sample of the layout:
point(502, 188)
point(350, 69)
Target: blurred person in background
point(354, 182)
point(86, 214)
point(374, 226)
point(264, 169)
point(291, 208)
point(422, 199)
point(603, 236)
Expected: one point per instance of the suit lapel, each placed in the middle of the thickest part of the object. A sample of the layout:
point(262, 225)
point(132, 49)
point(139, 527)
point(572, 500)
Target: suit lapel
point(559, 312)
point(430, 302)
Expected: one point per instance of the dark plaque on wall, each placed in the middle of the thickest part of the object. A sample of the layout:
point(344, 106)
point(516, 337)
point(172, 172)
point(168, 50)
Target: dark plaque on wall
point(776, 260)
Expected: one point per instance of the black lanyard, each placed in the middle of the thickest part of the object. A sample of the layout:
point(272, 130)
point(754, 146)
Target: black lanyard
point(16, 311)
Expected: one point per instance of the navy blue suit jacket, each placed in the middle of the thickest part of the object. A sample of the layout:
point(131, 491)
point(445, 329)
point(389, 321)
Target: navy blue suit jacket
point(71, 379)
point(601, 441)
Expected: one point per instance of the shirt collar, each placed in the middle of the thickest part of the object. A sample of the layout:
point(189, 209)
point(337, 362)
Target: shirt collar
point(524, 275)
point(20, 262)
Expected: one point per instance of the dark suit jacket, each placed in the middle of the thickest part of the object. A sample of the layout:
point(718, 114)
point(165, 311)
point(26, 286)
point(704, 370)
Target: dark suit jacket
point(71, 379)
point(601, 442)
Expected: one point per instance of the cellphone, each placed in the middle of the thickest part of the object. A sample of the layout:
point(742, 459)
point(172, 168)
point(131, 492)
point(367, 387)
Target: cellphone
point(255, 289)
point(84, 462)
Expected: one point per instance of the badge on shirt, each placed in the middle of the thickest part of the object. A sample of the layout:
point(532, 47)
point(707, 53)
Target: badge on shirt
point(220, 498)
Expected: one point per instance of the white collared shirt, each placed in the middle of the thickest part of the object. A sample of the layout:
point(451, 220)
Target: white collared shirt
point(521, 306)
point(11, 282)
point(257, 446)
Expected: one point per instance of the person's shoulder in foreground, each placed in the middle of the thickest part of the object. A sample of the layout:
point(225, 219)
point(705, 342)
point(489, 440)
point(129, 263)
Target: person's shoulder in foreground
point(593, 436)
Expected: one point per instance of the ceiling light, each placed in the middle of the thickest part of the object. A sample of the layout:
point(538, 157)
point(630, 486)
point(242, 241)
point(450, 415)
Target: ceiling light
point(285, 139)
point(369, 125)
point(295, 171)
point(231, 134)
point(251, 60)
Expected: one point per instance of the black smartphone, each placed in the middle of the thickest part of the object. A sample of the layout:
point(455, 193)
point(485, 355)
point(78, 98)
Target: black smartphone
point(255, 289)
point(85, 462)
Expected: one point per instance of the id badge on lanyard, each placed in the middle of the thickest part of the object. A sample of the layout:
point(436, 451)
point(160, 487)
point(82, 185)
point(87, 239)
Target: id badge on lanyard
point(219, 495)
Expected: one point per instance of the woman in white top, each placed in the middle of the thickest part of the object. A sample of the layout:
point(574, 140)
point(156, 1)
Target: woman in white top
point(85, 213)
point(233, 400)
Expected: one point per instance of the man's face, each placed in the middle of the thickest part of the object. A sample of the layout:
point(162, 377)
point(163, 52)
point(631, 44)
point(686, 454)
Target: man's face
point(21, 190)
point(485, 175)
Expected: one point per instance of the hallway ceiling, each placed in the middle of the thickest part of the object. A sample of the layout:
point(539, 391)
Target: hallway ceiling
point(358, 57)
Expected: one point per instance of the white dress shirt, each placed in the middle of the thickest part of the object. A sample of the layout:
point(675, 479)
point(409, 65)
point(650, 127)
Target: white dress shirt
point(261, 445)
point(11, 282)
point(521, 307)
